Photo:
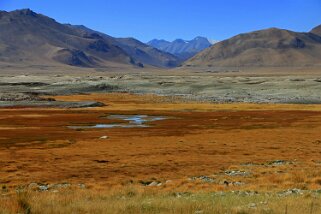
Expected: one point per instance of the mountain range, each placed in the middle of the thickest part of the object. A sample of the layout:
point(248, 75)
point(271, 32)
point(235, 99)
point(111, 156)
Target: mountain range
point(141, 52)
point(183, 49)
point(30, 38)
point(271, 47)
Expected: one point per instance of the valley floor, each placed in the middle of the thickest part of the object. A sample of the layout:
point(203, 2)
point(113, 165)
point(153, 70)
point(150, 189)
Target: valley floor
point(282, 85)
point(201, 158)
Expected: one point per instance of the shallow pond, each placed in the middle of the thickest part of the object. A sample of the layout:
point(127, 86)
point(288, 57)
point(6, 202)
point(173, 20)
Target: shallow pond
point(127, 121)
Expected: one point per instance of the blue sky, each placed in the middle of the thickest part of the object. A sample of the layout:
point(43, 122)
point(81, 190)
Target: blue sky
point(171, 19)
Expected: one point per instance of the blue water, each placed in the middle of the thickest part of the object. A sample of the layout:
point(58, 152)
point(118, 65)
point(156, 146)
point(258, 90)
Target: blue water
point(136, 119)
point(132, 121)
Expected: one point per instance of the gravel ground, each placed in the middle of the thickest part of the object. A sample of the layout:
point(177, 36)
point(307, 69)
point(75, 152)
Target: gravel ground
point(27, 89)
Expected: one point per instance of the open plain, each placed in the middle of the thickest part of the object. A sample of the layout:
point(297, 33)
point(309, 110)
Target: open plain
point(268, 153)
point(197, 107)
point(255, 85)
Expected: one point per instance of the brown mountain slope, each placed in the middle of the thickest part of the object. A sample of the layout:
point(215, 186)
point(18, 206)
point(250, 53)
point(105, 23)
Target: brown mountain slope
point(316, 30)
point(270, 47)
point(28, 38)
point(143, 54)
point(31, 38)
point(147, 54)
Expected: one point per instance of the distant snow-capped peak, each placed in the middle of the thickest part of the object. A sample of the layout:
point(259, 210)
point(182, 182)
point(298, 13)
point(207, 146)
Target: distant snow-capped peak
point(212, 41)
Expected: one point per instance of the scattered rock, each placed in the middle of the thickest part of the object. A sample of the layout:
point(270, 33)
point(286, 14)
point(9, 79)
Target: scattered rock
point(105, 87)
point(264, 202)
point(33, 185)
point(237, 183)
point(154, 184)
point(203, 178)
point(278, 162)
point(231, 183)
point(291, 192)
point(59, 186)
point(145, 183)
point(318, 191)
point(246, 193)
point(38, 187)
point(43, 188)
point(236, 173)
point(46, 187)
point(104, 137)
point(51, 103)
point(14, 97)
point(82, 186)
point(151, 183)
point(182, 194)
point(252, 206)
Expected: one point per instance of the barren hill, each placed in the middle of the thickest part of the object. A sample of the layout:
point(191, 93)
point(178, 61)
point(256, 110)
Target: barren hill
point(316, 30)
point(29, 38)
point(271, 47)
point(142, 53)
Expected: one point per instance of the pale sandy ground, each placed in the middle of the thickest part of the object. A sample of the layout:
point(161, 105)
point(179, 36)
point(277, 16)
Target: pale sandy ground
point(277, 85)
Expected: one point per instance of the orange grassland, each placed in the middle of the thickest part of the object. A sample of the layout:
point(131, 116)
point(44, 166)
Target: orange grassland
point(197, 139)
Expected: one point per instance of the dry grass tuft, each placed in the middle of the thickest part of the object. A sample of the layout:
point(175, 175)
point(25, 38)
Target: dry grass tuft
point(131, 199)
point(23, 201)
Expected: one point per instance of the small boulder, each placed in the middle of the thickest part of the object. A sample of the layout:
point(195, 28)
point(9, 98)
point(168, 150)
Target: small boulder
point(154, 184)
point(43, 187)
point(252, 205)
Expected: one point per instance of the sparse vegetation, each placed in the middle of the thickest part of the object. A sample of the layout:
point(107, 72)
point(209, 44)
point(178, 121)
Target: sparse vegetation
point(139, 200)
point(23, 201)
point(94, 124)
point(209, 161)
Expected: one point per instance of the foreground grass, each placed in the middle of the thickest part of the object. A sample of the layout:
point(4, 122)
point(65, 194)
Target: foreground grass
point(134, 200)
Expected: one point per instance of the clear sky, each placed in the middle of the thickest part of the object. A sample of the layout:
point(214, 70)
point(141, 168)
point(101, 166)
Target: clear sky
point(171, 19)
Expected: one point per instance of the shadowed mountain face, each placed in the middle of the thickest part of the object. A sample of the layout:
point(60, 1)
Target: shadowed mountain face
point(143, 54)
point(181, 48)
point(29, 38)
point(270, 47)
point(147, 54)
